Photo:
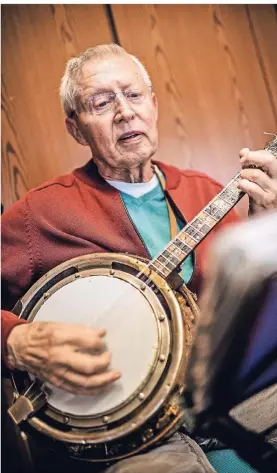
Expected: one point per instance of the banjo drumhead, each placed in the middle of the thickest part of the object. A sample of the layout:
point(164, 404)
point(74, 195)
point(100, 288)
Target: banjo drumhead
point(132, 337)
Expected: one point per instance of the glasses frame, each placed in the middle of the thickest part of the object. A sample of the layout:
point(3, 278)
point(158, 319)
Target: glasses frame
point(89, 100)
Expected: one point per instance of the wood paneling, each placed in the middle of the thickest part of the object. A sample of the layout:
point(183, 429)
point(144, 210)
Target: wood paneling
point(263, 22)
point(210, 84)
point(37, 40)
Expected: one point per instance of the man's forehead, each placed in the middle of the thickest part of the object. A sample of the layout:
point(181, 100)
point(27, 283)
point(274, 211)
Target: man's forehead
point(109, 71)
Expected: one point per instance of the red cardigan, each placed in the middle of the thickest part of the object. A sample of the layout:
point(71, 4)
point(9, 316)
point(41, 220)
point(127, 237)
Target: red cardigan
point(80, 213)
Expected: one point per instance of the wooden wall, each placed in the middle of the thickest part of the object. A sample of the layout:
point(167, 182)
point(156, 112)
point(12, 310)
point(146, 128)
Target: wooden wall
point(213, 67)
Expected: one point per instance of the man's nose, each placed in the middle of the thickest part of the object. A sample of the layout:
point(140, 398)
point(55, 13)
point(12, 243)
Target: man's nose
point(124, 111)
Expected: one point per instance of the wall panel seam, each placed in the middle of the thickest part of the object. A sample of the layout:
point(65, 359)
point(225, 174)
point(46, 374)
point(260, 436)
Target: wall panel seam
point(111, 21)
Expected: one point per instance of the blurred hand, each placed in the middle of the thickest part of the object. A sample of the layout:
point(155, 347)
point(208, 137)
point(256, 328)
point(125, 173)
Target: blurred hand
point(259, 184)
point(70, 357)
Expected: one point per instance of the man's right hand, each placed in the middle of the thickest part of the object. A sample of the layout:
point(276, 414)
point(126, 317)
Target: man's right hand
point(70, 357)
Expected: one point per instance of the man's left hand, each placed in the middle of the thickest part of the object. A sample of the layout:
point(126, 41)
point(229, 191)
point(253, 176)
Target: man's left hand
point(259, 184)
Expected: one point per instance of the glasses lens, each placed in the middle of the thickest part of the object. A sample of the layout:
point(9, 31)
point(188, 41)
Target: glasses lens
point(102, 102)
point(135, 95)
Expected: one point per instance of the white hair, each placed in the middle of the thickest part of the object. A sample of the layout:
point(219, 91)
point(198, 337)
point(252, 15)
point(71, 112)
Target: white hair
point(69, 88)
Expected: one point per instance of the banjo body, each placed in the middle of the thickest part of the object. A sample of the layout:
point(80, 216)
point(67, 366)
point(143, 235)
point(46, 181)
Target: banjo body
point(149, 333)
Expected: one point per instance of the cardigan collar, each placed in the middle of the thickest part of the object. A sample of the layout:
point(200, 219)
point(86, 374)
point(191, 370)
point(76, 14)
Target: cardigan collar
point(90, 175)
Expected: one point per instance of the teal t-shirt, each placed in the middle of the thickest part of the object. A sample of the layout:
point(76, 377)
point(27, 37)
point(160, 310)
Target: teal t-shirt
point(149, 214)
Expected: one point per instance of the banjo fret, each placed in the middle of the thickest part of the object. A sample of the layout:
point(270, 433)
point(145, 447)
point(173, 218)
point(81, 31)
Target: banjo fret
point(166, 263)
point(159, 268)
point(185, 248)
point(201, 225)
point(171, 257)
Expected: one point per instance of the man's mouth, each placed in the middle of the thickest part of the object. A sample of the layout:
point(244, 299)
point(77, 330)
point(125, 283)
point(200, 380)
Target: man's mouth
point(130, 136)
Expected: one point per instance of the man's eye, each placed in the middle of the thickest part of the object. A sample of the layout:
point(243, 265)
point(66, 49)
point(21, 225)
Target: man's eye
point(101, 104)
point(134, 95)
point(102, 101)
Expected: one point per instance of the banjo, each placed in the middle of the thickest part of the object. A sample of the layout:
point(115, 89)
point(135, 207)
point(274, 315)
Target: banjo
point(150, 317)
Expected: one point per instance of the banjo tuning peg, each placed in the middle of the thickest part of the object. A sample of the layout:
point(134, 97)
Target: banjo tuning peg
point(272, 144)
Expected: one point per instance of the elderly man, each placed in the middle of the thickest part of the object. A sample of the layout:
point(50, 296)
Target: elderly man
point(113, 204)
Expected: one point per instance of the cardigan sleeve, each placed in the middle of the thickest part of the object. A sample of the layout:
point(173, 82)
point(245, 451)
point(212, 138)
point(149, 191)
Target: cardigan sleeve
point(8, 322)
point(17, 265)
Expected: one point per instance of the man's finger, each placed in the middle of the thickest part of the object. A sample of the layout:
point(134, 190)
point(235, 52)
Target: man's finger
point(258, 177)
point(80, 336)
point(259, 196)
point(78, 384)
point(86, 364)
point(103, 379)
point(263, 159)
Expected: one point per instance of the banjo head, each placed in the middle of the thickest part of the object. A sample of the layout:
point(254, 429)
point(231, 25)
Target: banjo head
point(133, 336)
point(146, 338)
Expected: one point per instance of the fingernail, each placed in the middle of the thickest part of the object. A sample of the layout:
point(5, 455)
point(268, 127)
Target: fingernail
point(117, 374)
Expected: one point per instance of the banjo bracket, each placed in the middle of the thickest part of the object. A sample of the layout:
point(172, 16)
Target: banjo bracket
point(28, 403)
point(171, 412)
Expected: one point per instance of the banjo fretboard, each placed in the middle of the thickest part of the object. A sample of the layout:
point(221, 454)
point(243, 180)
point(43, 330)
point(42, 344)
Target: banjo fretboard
point(194, 232)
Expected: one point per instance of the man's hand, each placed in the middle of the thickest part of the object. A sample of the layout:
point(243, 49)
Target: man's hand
point(70, 357)
point(259, 184)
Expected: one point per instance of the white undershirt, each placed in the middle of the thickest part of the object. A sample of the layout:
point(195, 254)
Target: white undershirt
point(136, 189)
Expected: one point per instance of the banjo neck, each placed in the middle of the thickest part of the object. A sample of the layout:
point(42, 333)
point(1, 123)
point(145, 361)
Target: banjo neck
point(195, 231)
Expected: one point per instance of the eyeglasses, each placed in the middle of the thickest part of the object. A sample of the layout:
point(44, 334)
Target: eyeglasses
point(101, 103)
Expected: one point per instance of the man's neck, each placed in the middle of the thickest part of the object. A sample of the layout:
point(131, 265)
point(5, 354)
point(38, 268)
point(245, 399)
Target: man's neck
point(141, 173)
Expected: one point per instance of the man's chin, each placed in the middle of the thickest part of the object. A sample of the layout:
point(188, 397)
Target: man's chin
point(137, 155)
point(135, 159)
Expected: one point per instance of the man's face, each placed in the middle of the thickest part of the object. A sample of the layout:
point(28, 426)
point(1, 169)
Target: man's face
point(126, 134)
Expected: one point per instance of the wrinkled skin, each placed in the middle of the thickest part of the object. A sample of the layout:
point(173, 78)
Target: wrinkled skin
point(115, 159)
point(68, 356)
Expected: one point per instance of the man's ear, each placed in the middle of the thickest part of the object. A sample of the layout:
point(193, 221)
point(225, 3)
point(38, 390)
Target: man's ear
point(74, 131)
